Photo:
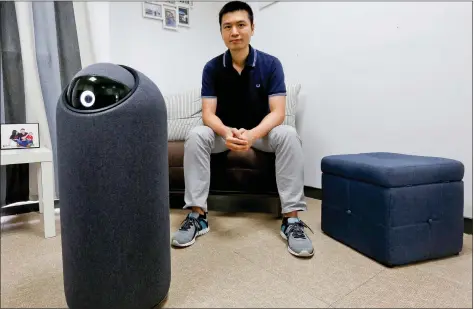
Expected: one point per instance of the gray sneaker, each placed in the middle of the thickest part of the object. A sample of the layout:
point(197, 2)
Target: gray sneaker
point(292, 230)
point(194, 225)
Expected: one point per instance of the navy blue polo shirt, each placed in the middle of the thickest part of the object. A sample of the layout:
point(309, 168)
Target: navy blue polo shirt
point(242, 99)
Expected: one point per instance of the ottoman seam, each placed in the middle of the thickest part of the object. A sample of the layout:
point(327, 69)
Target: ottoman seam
point(391, 186)
point(411, 225)
point(389, 229)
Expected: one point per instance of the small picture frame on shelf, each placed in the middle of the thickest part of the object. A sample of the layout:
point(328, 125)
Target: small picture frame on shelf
point(170, 20)
point(153, 10)
point(20, 136)
point(183, 16)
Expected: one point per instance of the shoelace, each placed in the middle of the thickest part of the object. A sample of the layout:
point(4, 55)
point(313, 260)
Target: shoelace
point(297, 229)
point(188, 222)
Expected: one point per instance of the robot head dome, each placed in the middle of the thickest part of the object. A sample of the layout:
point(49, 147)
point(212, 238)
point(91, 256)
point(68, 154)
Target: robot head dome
point(100, 86)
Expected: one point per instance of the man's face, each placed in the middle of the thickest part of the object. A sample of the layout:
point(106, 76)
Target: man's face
point(22, 131)
point(236, 30)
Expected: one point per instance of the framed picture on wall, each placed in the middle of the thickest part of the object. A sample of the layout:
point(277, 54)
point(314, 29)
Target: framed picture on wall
point(153, 10)
point(183, 16)
point(20, 136)
point(170, 17)
point(186, 3)
point(264, 4)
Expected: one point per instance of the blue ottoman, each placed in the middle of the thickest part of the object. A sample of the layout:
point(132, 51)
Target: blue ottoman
point(394, 208)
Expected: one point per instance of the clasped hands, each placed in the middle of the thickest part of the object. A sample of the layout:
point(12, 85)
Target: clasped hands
point(239, 140)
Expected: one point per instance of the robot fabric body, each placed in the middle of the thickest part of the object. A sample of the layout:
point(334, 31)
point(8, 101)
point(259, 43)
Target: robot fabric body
point(113, 186)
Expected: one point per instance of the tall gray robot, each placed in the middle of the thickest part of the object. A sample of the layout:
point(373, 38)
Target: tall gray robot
point(113, 189)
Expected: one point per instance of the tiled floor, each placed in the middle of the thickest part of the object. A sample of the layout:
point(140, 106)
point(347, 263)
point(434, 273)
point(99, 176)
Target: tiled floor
point(243, 262)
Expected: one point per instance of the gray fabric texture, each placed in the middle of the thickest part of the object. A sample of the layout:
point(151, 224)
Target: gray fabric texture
point(2, 106)
point(68, 45)
point(114, 188)
point(15, 177)
point(3, 169)
point(12, 65)
point(47, 60)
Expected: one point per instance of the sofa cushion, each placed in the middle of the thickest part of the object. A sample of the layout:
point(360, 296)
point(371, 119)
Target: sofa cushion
point(292, 93)
point(185, 111)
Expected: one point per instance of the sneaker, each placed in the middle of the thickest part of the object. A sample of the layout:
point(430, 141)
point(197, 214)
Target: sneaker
point(193, 226)
point(292, 230)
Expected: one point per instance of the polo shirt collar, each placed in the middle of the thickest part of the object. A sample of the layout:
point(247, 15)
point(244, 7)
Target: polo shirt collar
point(251, 58)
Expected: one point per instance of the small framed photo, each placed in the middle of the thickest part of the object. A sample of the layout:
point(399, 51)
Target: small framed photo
point(170, 18)
point(264, 4)
point(183, 16)
point(20, 136)
point(186, 3)
point(153, 10)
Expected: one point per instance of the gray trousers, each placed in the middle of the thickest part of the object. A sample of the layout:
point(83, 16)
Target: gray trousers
point(283, 140)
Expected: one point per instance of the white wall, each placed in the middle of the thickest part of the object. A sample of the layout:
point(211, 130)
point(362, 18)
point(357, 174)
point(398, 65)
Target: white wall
point(99, 15)
point(377, 76)
point(172, 59)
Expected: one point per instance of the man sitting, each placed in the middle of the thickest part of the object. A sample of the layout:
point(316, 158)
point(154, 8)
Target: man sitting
point(243, 106)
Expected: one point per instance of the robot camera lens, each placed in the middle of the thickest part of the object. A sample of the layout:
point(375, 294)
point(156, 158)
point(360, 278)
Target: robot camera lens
point(87, 98)
point(95, 92)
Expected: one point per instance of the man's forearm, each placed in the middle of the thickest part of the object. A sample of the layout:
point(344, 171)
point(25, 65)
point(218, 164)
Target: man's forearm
point(215, 123)
point(270, 121)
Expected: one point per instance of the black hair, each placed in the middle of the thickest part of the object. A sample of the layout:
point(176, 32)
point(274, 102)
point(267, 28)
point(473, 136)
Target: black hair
point(233, 6)
point(14, 134)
